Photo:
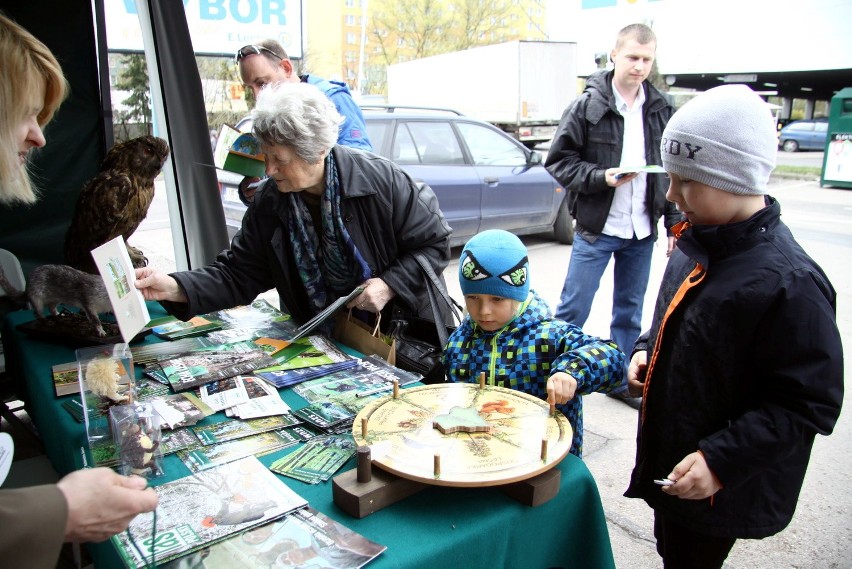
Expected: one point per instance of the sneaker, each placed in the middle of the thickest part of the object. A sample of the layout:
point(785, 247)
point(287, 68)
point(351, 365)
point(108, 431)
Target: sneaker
point(624, 397)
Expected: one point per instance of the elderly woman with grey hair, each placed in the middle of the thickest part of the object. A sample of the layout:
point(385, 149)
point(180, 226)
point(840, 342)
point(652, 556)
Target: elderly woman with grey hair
point(327, 219)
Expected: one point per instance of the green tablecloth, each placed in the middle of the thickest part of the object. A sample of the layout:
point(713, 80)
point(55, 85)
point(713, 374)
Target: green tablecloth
point(438, 527)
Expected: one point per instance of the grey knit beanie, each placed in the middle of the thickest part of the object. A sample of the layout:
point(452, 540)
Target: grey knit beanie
point(725, 138)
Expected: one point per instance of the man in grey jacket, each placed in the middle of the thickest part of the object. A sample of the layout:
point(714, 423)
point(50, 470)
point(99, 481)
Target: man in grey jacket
point(612, 129)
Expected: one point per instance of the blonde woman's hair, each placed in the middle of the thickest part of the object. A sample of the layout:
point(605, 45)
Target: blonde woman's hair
point(27, 67)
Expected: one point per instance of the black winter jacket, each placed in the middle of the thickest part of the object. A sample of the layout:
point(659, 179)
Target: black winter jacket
point(388, 216)
point(749, 370)
point(589, 140)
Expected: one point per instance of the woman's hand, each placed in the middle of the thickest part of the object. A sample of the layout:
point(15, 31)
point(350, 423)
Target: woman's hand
point(157, 285)
point(375, 296)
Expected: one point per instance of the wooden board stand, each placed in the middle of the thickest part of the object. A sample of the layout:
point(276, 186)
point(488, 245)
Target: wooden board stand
point(537, 490)
point(360, 499)
point(458, 435)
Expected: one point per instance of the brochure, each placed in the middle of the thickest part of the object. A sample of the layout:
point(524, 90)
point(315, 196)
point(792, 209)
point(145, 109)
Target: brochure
point(288, 377)
point(180, 410)
point(258, 314)
point(238, 152)
point(324, 414)
point(307, 352)
point(256, 445)
point(197, 368)
point(147, 389)
point(179, 439)
point(370, 375)
point(224, 393)
point(303, 538)
point(205, 508)
point(119, 277)
point(236, 429)
point(318, 460)
point(147, 353)
point(65, 379)
point(649, 169)
point(180, 329)
point(264, 400)
point(272, 346)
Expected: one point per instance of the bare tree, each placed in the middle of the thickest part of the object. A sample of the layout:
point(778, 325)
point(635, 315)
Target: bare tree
point(401, 30)
point(476, 22)
point(410, 27)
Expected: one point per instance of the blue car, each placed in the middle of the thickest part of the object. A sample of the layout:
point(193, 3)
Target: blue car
point(483, 178)
point(804, 135)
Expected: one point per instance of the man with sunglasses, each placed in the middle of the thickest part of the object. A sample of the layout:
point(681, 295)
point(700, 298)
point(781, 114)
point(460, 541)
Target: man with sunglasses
point(266, 62)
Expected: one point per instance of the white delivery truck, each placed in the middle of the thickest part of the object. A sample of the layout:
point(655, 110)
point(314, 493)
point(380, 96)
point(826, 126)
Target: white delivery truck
point(521, 87)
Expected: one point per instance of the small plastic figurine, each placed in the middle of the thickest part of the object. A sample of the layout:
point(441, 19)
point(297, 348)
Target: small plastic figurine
point(137, 449)
point(102, 379)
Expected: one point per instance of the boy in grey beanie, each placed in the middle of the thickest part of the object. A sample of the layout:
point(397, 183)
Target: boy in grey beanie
point(743, 364)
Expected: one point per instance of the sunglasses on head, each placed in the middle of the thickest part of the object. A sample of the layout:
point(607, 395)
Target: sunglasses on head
point(247, 50)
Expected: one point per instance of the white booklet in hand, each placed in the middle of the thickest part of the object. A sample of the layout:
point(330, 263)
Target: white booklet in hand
point(119, 277)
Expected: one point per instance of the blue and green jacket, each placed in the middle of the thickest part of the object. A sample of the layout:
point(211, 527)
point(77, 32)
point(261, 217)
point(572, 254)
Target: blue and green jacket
point(528, 350)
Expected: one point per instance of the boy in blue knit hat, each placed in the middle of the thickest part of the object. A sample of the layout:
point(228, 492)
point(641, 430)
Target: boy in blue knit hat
point(510, 334)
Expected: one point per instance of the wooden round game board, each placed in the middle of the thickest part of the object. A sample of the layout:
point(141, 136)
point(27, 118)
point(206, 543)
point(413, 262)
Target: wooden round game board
point(404, 441)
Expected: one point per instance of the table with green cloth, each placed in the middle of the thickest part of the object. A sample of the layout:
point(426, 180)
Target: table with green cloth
point(437, 527)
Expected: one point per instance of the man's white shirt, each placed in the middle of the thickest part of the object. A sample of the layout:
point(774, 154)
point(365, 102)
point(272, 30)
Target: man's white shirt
point(628, 214)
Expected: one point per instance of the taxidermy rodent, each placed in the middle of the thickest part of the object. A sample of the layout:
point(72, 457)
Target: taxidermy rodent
point(52, 285)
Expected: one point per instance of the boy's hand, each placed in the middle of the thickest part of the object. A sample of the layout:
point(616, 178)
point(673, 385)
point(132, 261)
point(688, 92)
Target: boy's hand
point(672, 243)
point(693, 479)
point(636, 373)
point(561, 388)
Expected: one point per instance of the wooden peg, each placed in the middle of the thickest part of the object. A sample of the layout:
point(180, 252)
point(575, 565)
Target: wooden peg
point(396, 389)
point(363, 427)
point(544, 449)
point(482, 380)
point(364, 464)
point(552, 408)
point(437, 466)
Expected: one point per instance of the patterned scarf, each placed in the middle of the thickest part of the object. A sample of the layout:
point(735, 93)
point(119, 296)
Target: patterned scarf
point(329, 264)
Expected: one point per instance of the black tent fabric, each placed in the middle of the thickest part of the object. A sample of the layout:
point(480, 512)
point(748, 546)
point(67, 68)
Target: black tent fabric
point(203, 219)
point(81, 132)
point(75, 139)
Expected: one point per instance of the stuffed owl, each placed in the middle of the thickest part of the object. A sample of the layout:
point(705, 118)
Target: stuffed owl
point(115, 201)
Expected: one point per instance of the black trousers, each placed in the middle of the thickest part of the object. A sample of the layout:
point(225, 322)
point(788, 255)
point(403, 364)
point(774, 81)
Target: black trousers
point(682, 548)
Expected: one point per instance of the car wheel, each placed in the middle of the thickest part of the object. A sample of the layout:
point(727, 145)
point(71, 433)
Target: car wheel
point(563, 227)
point(790, 146)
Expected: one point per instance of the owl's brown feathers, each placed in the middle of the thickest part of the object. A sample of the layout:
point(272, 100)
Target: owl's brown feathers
point(115, 201)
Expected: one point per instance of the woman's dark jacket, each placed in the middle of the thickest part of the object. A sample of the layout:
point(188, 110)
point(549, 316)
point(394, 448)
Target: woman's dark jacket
point(388, 216)
point(589, 140)
point(749, 370)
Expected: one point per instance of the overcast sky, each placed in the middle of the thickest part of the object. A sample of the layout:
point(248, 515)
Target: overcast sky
point(714, 35)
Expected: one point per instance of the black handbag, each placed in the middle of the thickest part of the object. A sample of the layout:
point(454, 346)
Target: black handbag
point(419, 342)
